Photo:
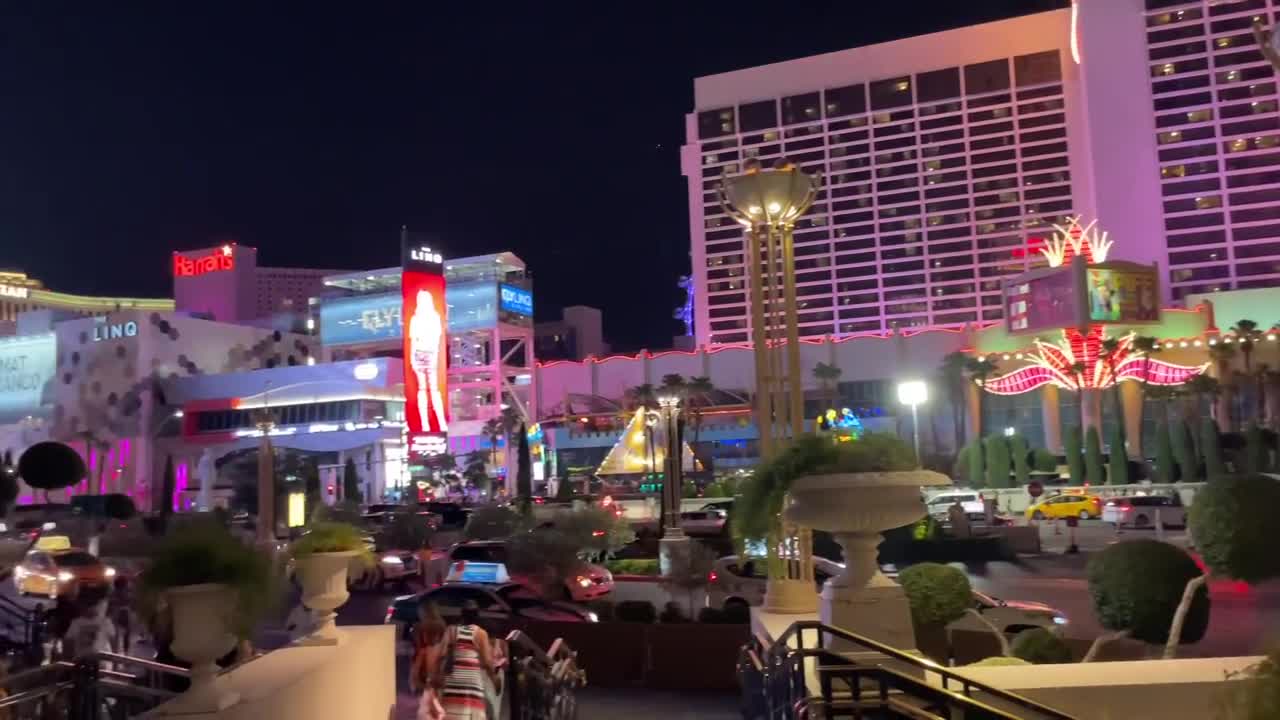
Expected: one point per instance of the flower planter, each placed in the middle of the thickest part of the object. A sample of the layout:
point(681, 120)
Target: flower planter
point(201, 635)
point(324, 589)
point(856, 508)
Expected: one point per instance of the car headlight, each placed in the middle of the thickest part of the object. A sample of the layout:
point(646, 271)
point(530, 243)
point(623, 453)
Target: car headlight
point(1059, 620)
point(65, 576)
point(592, 617)
point(392, 560)
point(109, 572)
point(584, 581)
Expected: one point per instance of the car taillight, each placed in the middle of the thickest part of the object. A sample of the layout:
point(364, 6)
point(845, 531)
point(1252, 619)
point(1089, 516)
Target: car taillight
point(711, 576)
point(391, 611)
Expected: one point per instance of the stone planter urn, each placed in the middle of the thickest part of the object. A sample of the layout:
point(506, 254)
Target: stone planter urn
point(324, 589)
point(201, 635)
point(856, 508)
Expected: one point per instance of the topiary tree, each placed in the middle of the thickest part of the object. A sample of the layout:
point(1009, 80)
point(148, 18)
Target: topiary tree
point(1043, 461)
point(8, 483)
point(1040, 646)
point(940, 594)
point(167, 488)
point(1021, 454)
point(1165, 470)
point(1233, 523)
point(50, 466)
point(524, 471)
point(997, 449)
point(1093, 471)
point(977, 463)
point(1255, 450)
point(1137, 587)
point(1118, 458)
point(1184, 452)
point(689, 571)
point(1211, 446)
point(350, 482)
point(1071, 442)
point(491, 523)
point(960, 466)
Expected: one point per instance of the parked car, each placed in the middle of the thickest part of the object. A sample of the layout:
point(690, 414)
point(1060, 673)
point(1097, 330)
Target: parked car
point(501, 603)
point(452, 515)
point(63, 572)
point(939, 505)
point(591, 583)
point(1139, 511)
point(735, 582)
point(710, 519)
point(1066, 505)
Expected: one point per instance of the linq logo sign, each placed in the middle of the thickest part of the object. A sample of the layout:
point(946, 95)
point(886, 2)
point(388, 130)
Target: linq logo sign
point(219, 260)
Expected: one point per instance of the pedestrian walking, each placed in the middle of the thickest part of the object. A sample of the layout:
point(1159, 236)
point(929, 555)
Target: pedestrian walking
point(424, 674)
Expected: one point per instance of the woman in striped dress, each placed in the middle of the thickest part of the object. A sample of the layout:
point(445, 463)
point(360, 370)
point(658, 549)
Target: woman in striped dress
point(465, 695)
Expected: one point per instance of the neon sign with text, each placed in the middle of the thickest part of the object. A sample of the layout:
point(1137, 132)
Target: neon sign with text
point(219, 260)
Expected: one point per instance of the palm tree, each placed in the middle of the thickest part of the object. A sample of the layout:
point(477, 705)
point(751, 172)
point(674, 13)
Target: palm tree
point(494, 430)
point(641, 396)
point(1109, 347)
point(1246, 332)
point(699, 389)
point(1222, 355)
point(980, 369)
point(953, 369)
point(827, 376)
point(674, 383)
point(1204, 386)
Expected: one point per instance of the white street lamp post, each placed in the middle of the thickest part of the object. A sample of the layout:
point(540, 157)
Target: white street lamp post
point(914, 393)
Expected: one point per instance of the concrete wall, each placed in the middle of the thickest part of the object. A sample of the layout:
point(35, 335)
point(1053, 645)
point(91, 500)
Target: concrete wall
point(354, 680)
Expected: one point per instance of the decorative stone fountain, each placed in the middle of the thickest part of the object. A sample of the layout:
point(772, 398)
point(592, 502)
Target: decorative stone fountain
point(856, 508)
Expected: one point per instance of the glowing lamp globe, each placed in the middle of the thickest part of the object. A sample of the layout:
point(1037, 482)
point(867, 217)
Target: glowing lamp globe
point(913, 392)
point(773, 196)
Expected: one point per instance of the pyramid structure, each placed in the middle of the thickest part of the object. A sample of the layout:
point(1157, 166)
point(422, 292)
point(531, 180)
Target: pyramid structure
point(630, 455)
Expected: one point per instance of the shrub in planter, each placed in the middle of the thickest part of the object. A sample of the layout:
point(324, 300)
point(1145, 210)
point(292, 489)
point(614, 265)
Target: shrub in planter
point(999, 661)
point(1040, 646)
point(323, 558)
point(672, 613)
point(1043, 461)
point(737, 614)
point(635, 611)
point(940, 594)
point(633, 566)
point(1137, 586)
point(712, 616)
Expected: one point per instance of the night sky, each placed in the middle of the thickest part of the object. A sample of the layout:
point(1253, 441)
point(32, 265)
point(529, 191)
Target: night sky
point(553, 131)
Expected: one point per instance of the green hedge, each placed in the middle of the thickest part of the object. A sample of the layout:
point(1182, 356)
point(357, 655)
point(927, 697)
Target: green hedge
point(640, 566)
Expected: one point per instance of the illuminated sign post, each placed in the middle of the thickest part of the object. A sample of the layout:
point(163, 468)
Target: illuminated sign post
point(425, 313)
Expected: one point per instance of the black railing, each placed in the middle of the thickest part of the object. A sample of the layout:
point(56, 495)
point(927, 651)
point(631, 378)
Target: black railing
point(94, 687)
point(542, 685)
point(863, 678)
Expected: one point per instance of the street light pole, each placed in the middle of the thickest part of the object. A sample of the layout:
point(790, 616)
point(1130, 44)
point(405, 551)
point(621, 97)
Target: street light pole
point(914, 393)
point(673, 542)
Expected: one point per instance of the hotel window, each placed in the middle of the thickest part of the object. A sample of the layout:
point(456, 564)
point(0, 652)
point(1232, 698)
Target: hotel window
point(758, 116)
point(938, 85)
point(986, 77)
point(891, 93)
point(799, 108)
point(714, 123)
point(848, 100)
point(1038, 68)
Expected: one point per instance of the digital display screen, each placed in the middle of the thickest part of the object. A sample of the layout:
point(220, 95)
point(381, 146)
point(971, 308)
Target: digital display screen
point(425, 315)
point(362, 319)
point(1123, 295)
point(1042, 303)
point(516, 300)
point(27, 366)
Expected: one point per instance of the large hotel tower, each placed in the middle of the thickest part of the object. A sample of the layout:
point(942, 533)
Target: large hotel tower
point(946, 158)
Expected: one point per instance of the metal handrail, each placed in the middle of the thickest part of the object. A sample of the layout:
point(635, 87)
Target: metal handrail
point(559, 665)
point(967, 684)
point(783, 669)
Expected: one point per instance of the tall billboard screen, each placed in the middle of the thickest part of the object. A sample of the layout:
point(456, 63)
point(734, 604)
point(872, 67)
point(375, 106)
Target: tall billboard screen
point(425, 314)
point(1042, 300)
point(1128, 294)
point(360, 319)
point(27, 366)
point(516, 300)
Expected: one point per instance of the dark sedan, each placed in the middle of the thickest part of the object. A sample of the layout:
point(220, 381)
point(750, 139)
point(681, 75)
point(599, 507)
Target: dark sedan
point(499, 605)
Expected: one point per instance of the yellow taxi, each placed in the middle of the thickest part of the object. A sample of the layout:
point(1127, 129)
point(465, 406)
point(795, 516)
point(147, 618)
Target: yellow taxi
point(1065, 505)
point(55, 569)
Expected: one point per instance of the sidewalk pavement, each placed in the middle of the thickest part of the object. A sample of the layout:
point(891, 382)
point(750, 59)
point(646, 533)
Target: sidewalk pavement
point(612, 704)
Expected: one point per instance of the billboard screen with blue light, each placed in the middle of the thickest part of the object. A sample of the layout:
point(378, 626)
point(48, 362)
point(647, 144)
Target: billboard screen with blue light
point(377, 318)
point(516, 300)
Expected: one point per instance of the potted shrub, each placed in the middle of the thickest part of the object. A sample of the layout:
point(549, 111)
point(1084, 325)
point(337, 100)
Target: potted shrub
point(216, 589)
point(321, 559)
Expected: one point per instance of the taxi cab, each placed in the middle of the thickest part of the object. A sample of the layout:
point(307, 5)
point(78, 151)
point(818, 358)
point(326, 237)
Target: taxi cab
point(1067, 504)
point(53, 568)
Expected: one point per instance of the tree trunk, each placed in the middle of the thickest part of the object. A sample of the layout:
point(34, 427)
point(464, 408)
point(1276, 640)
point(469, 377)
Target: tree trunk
point(1004, 641)
point(1180, 616)
point(1100, 641)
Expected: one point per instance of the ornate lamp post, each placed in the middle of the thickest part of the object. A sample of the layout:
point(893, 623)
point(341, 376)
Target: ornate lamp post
point(768, 202)
point(914, 393)
point(673, 541)
point(265, 421)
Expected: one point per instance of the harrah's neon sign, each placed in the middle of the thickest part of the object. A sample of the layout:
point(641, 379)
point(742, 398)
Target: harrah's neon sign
point(217, 261)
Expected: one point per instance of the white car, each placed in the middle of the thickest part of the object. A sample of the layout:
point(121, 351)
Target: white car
point(710, 519)
point(971, 500)
point(1139, 511)
point(742, 583)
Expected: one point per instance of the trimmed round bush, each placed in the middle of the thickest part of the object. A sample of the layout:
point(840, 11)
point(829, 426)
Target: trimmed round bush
point(1233, 522)
point(1040, 646)
point(51, 465)
point(937, 593)
point(1137, 585)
